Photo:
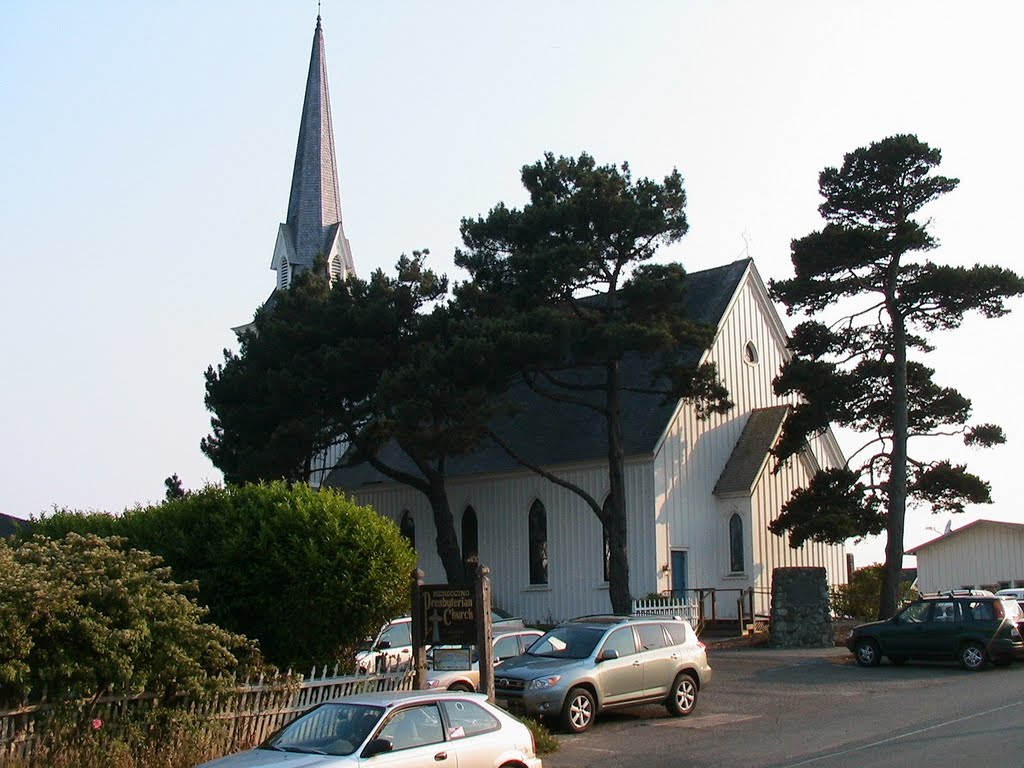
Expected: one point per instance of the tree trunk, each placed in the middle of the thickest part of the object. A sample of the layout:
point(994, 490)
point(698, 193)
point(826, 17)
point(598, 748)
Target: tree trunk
point(615, 519)
point(896, 521)
point(447, 541)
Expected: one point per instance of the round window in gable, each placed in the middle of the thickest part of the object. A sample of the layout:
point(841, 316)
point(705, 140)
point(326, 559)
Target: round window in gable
point(750, 354)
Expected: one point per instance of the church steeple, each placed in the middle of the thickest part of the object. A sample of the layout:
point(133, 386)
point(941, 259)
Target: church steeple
point(313, 225)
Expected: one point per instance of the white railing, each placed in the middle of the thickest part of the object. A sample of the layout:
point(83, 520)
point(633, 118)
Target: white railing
point(669, 607)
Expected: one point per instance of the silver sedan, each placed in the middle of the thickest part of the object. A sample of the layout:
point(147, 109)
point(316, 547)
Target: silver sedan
point(400, 729)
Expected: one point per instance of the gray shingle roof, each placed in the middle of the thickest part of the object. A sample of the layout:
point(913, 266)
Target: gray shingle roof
point(752, 450)
point(8, 524)
point(314, 205)
point(547, 432)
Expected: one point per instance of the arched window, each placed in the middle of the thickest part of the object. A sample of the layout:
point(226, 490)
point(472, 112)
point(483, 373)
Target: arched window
point(736, 543)
point(407, 526)
point(335, 271)
point(538, 531)
point(470, 543)
point(750, 356)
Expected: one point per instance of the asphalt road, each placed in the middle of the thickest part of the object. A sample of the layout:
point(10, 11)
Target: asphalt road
point(785, 708)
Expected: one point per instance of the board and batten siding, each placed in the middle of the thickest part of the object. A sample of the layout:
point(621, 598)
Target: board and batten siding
point(694, 452)
point(981, 555)
point(575, 545)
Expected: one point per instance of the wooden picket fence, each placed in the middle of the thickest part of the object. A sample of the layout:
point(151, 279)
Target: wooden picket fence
point(242, 717)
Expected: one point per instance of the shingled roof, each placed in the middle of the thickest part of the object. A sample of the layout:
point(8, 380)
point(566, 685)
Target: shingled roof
point(9, 524)
point(547, 432)
point(752, 450)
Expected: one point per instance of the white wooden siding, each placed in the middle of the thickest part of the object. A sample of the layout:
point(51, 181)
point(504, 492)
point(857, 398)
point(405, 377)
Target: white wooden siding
point(695, 452)
point(987, 554)
point(575, 545)
point(670, 500)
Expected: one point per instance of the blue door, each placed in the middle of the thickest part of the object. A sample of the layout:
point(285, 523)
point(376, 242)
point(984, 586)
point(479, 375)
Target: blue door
point(679, 580)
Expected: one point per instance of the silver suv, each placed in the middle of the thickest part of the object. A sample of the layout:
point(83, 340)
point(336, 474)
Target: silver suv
point(600, 662)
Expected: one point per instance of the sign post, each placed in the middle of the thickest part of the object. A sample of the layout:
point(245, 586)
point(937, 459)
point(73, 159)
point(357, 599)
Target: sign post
point(485, 635)
point(419, 648)
point(453, 614)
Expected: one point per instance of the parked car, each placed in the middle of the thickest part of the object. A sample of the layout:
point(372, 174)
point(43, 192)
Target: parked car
point(1016, 593)
point(410, 728)
point(970, 626)
point(594, 663)
point(506, 644)
point(391, 649)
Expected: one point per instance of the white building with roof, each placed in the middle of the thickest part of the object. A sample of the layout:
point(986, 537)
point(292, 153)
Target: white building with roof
point(985, 554)
point(700, 493)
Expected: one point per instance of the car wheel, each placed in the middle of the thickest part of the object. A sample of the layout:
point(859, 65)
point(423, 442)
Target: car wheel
point(866, 652)
point(899, 661)
point(578, 710)
point(683, 696)
point(973, 657)
point(461, 687)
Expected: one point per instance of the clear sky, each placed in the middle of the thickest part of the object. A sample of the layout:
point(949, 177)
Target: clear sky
point(146, 150)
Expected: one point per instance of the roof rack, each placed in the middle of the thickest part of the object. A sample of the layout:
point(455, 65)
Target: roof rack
point(601, 618)
point(959, 593)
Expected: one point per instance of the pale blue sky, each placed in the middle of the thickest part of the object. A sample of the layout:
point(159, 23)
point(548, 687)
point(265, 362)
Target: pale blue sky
point(146, 150)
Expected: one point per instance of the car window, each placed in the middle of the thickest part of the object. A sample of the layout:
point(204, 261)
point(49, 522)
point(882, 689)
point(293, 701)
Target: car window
point(413, 727)
point(652, 636)
point(397, 634)
point(620, 640)
point(334, 729)
point(506, 647)
point(944, 613)
point(567, 642)
point(466, 718)
point(527, 640)
point(915, 613)
point(677, 631)
point(978, 610)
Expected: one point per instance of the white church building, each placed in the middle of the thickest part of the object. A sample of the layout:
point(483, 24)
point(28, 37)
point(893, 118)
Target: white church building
point(700, 493)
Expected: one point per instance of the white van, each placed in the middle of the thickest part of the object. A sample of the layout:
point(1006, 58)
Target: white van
point(391, 650)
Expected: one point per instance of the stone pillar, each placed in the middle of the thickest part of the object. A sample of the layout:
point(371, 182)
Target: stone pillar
point(800, 615)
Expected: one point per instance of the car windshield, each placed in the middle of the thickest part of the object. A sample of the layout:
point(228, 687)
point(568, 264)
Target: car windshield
point(567, 642)
point(330, 729)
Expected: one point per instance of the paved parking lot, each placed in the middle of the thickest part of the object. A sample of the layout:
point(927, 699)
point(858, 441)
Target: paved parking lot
point(817, 708)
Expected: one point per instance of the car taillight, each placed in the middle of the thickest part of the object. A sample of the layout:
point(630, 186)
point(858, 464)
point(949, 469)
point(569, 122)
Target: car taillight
point(700, 644)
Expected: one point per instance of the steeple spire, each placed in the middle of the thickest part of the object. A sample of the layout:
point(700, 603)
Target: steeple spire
point(313, 225)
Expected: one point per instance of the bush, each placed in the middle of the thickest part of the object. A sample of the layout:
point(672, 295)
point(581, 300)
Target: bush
point(545, 740)
point(306, 573)
point(861, 598)
point(81, 614)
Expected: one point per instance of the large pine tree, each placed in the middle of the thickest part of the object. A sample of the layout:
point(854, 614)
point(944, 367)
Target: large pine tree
point(564, 289)
point(856, 367)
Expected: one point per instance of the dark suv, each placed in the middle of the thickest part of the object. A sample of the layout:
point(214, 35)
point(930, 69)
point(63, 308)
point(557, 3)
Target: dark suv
point(970, 626)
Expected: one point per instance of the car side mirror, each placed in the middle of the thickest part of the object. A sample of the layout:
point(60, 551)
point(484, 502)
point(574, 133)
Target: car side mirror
point(377, 746)
point(610, 654)
point(383, 645)
point(894, 620)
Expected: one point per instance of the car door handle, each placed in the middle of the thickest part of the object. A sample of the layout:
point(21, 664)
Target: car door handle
point(636, 663)
point(440, 756)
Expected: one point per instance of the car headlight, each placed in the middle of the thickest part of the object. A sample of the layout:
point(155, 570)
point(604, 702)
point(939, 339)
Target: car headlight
point(543, 682)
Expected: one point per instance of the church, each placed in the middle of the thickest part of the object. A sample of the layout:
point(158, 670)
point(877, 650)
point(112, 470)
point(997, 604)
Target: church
point(700, 492)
